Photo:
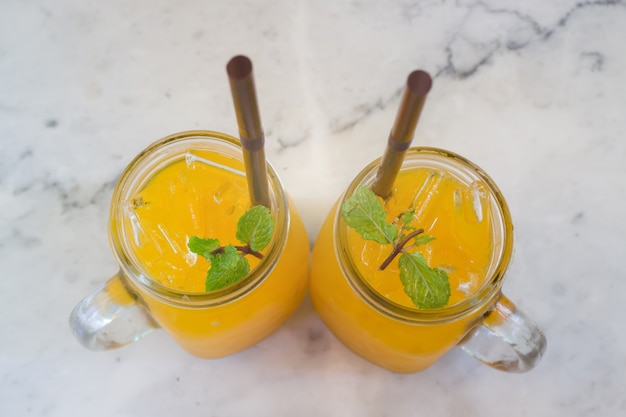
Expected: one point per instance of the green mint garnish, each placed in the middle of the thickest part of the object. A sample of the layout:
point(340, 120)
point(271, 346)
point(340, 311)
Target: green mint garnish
point(256, 227)
point(203, 247)
point(427, 287)
point(364, 213)
point(407, 218)
point(423, 240)
point(228, 263)
point(226, 269)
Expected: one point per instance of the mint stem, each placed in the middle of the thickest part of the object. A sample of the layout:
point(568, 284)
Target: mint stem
point(398, 248)
point(245, 250)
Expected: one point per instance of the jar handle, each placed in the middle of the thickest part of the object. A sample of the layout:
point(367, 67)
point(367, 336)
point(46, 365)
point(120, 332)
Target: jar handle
point(506, 339)
point(110, 317)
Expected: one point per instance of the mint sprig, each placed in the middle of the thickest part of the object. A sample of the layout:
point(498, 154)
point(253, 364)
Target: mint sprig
point(228, 263)
point(427, 287)
point(364, 213)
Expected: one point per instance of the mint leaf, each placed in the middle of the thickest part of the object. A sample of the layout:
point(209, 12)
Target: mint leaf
point(255, 227)
point(407, 218)
point(227, 268)
point(203, 247)
point(423, 240)
point(364, 212)
point(427, 287)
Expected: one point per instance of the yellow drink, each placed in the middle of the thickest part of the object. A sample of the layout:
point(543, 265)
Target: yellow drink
point(456, 215)
point(199, 189)
point(187, 198)
point(367, 309)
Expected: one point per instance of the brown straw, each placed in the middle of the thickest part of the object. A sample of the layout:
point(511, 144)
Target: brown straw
point(417, 87)
point(241, 80)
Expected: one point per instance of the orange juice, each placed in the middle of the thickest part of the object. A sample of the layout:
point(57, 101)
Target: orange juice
point(456, 215)
point(198, 188)
point(202, 195)
point(367, 309)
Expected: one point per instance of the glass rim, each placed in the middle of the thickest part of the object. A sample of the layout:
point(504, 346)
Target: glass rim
point(489, 289)
point(144, 162)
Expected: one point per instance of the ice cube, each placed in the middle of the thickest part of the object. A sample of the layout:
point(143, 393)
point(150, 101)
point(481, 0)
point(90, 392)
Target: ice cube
point(129, 212)
point(142, 234)
point(425, 193)
point(155, 237)
point(230, 196)
point(472, 202)
point(469, 285)
point(372, 254)
point(190, 158)
point(171, 241)
point(190, 257)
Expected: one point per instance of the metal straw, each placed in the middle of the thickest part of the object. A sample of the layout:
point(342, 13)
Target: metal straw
point(241, 80)
point(418, 85)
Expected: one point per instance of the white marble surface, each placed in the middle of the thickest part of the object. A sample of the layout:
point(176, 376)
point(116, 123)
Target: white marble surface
point(532, 91)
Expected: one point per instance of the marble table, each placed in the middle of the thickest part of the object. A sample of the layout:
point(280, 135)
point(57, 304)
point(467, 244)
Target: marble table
point(532, 91)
